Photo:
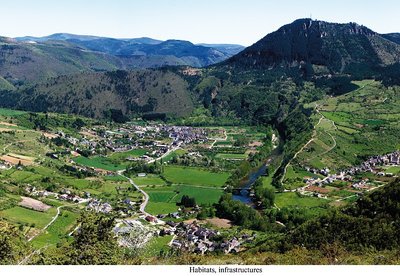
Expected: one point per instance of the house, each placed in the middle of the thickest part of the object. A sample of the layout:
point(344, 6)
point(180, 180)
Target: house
point(176, 243)
point(151, 219)
point(174, 215)
point(171, 223)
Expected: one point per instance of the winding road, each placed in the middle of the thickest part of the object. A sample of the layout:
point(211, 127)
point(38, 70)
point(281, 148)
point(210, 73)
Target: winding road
point(146, 196)
point(312, 139)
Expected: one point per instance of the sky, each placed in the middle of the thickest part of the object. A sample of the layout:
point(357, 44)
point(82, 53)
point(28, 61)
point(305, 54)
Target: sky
point(199, 21)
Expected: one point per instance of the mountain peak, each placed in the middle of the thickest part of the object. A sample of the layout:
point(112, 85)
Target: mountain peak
point(334, 47)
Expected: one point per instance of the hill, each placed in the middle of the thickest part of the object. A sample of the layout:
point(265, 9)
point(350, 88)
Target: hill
point(170, 52)
point(22, 62)
point(94, 94)
point(320, 48)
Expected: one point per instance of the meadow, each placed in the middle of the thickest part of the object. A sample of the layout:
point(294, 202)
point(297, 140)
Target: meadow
point(148, 180)
point(163, 199)
point(99, 162)
point(121, 156)
point(20, 215)
point(293, 199)
point(56, 231)
point(194, 176)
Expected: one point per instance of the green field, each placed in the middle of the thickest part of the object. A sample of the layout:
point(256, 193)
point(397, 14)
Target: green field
point(121, 156)
point(10, 112)
point(163, 199)
point(290, 199)
point(22, 215)
point(394, 170)
point(194, 176)
point(156, 208)
point(156, 245)
point(148, 180)
point(354, 126)
point(59, 229)
point(99, 162)
point(223, 143)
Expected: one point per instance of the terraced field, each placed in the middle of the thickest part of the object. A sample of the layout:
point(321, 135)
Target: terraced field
point(354, 125)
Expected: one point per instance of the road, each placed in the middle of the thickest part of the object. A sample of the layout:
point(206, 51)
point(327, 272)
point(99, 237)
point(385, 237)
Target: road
point(164, 155)
point(146, 196)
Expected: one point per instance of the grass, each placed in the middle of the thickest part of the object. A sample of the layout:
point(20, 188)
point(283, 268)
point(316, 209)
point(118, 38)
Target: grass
point(178, 152)
point(156, 208)
point(293, 200)
point(365, 124)
point(10, 112)
point(223, 143)
point(202, 195)
point(393, 170)
point(123, 155)
point(59, 229)
point(98, 162)
point(194, 176)
point(115, 178)
point(163, 199)
point(148, 180)
point(156, 245)
point(22, 215)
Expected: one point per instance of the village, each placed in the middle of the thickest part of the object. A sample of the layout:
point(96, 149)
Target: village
point(187, 236)
point(374, 165)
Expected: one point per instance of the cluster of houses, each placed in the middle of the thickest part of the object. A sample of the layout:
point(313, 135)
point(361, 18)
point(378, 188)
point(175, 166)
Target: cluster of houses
point(196, 238)
point(314, 184)
point(185, 135)
point(64, 195)
point(370, 165)
point(152, 138)
point(99, 207)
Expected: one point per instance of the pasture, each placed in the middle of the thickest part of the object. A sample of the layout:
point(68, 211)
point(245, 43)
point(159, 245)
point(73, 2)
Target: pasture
point(99, 162)
point(148, 180)
point(194, 176)
point(163, 199)
point(59, 229)
point(121, 156)
point(20, 215)
point(290, 199)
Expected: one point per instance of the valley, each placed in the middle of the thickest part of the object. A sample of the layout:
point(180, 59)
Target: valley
point(287, 151)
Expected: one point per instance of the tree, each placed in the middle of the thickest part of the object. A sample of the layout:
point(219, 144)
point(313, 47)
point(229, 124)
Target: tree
point(93, 244)
point(187, 201)
point(12, 244)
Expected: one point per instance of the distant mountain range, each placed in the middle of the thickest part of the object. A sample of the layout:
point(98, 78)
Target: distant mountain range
point(29, 59)
point(62, 70)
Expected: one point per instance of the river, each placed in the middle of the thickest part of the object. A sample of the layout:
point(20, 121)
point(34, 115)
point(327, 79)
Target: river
point(244, 193)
